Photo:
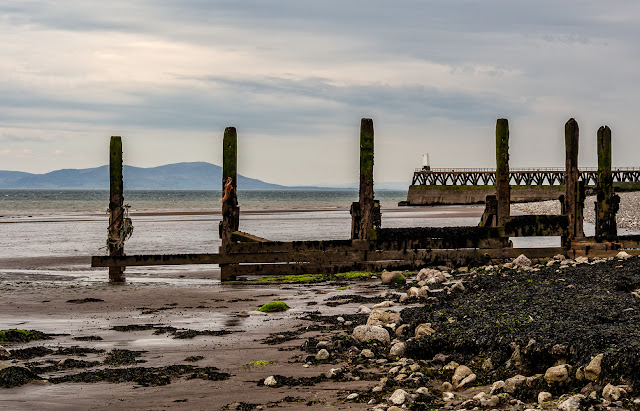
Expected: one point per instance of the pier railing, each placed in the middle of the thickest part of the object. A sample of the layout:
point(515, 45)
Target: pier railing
point(520, 177)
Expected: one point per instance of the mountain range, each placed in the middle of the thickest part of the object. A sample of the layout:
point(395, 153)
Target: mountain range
point(178, 176)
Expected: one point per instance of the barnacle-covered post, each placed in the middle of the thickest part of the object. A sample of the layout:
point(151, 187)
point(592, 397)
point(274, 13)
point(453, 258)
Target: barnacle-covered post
point(115, 239)
point(230, 211)
point(365, 213)
point(607, 203)
point(503, 189)
point(574, 196)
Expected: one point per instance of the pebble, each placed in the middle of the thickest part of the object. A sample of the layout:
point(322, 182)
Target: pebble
point(367, 353)
point(592, 371)
point(398, 397)
point(322, 355)
point(559, 373)
point(270, 381)
point(352, 396)
point(363, 309)
point(398, 349)
point(460, 374)
point(384, 304)
point(424, 329)
point(364, 333)
point(571, 404)
point(544, 396)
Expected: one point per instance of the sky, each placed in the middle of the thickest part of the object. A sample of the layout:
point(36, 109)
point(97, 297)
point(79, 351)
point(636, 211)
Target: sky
point(295, 77)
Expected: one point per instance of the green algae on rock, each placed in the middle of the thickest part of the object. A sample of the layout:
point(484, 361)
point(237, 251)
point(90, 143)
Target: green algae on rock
point(273, 306)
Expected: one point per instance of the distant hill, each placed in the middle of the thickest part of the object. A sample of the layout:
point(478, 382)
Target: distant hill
point(179, 176)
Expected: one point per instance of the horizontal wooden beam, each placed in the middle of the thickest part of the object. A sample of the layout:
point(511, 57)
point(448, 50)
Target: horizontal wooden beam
point(243, 237)
point(155, 259)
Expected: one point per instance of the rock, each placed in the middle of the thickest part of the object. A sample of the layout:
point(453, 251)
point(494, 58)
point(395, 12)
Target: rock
point(592, 371)
point(352, 396)
point(379, 317)
point(612, 393)
point(367, 353)
point(623, 254)
point(402, 330)
point(340, 319)
point(377, 388)
point(431, 276)
point(522, 261)
point(398, 349)
point(348, 323)
point(479, 396)
point(451, 366)
point(4, 353)
point(322, 355)
point(458, 287)
point(487, 365)
point(446, 386)
point(423, 391)
point(572, 403)
point(363, 309)
point(469, 379)
point(490, 402)
point(394, 408)
point(333, 372)
point(448, 396)
point(544, 397)
point(392, 277)
point(364, 333)
point(512, 384)
point(507, 265)
point(557, 374)
point(496, 387)
point(384, 304)
point(270, 381)
point(461, 372)
point(403, 298)
point(424, 329)
point(413, 292)
point(582, 260)
point(398, 397)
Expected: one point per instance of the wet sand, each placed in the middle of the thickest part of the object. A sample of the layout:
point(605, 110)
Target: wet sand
point(39, 304)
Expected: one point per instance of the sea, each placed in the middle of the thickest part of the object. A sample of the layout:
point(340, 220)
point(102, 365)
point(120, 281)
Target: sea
point(73, 223)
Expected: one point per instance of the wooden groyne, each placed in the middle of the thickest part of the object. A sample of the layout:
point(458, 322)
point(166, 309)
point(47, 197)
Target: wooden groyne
point(373, 247)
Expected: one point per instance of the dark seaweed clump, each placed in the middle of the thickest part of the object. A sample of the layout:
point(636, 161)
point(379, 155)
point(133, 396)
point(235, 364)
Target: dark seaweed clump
point(550, 314)
point(123, 357)
point(23, 336)
point(145, 376)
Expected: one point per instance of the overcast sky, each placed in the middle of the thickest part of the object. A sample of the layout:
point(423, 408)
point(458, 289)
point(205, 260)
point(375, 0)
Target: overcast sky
point(295, 77)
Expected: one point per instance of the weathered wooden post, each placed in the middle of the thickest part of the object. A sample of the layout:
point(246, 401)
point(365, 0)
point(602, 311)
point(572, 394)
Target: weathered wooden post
point(230, 211)
point(572, 197)
point(607, 203)
point(115, 233)
point(366, 213)
point(503, 189)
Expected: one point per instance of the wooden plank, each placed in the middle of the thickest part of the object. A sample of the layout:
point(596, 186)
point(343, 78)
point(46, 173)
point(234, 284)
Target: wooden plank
point(366, 229)
point(607, 203)
point(230, 220)
point(536, 225)
point(239, 236)
point(571, 140)
point(155, 259)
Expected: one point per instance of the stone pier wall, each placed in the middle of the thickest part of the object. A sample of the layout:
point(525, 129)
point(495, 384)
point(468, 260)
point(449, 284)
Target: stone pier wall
point(470, 194)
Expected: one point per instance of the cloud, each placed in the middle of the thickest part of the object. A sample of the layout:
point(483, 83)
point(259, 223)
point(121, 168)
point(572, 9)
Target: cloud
point(434, 76)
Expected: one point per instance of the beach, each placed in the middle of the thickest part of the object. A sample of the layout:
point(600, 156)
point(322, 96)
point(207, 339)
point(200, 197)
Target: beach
point(176, 337)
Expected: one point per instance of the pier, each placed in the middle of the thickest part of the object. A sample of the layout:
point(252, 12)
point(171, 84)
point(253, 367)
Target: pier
point(472, 185)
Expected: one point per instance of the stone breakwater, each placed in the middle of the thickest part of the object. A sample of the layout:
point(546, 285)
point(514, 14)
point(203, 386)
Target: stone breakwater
point(628, 215)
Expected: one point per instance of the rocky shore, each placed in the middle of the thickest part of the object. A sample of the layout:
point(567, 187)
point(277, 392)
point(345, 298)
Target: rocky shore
point(542, 335)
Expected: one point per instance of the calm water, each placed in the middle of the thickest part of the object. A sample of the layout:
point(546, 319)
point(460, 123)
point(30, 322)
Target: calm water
point(44, 202)
point(48, 223)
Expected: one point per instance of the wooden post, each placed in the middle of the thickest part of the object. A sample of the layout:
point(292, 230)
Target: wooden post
point(367, 210)
point(503, 189)
point(230, 211)
point(571, 175)
point(607, 203)
point(115, 241)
